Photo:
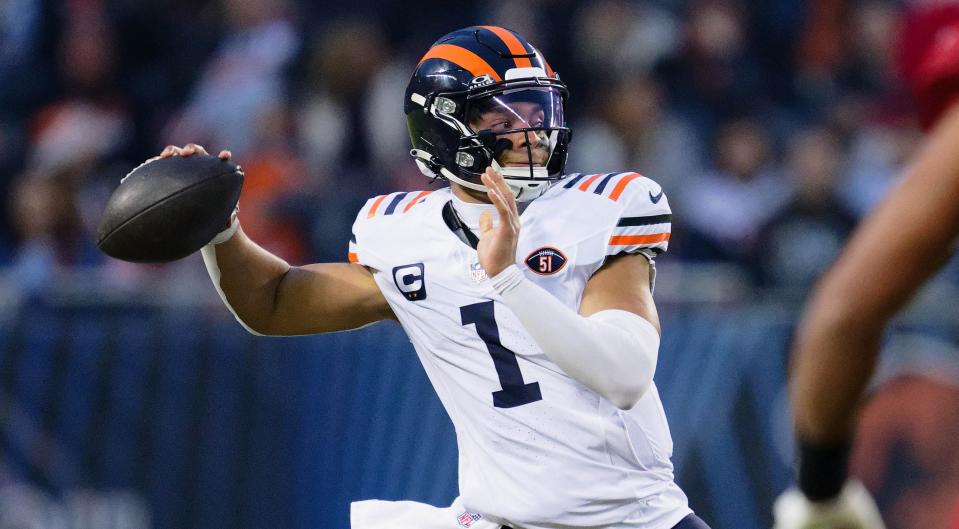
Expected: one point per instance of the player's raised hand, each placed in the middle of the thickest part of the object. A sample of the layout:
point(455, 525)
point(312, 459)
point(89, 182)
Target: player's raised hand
point(189, 150)
point(497, 245)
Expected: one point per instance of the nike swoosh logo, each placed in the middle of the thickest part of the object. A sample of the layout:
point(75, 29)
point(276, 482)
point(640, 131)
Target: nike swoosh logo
point(655, 198)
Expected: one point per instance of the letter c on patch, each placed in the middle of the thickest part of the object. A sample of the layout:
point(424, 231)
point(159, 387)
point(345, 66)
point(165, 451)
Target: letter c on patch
point(410, 280)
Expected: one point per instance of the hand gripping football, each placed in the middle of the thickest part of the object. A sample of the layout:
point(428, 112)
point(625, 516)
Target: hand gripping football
point(168, 208)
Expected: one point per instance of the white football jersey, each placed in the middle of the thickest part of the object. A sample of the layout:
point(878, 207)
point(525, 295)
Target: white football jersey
point(537, 449)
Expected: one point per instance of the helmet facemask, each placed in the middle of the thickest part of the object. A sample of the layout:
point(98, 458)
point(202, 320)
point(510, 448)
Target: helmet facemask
point(517, 127)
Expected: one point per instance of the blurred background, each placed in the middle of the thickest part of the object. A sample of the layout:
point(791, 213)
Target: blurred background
point(130, 398)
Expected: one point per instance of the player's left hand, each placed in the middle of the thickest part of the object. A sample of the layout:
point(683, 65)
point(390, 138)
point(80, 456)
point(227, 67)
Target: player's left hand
point(189, 150)
point(854, 508)
point(497, 245)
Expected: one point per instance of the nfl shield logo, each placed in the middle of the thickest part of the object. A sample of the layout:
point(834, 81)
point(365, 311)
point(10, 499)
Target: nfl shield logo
point(477, 273)
point(467, 518)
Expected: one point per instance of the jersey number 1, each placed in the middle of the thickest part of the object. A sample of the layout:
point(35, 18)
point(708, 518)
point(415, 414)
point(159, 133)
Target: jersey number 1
point(515, 392)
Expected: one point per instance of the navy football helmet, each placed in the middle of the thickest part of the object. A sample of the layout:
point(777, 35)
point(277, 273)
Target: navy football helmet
point(484, 96)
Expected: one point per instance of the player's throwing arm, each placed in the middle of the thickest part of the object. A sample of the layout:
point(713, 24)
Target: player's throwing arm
point(268, 296)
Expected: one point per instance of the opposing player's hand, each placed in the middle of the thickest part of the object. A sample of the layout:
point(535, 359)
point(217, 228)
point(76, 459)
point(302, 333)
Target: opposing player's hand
point(497, 245)
point(189, 150)
point(853, 509)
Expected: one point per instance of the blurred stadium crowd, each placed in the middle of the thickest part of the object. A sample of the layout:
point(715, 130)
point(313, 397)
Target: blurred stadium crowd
point(773, 125)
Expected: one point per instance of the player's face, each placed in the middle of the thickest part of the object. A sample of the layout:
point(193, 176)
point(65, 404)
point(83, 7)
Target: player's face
point(524, 121)
point(518, 115)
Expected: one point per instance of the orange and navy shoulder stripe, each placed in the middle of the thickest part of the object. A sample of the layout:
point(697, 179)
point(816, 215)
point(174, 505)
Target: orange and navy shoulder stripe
point(351, 254)
point(385, 206)
point(381, 206)
point(609, 185)
point(395, 203)
point(647, 231)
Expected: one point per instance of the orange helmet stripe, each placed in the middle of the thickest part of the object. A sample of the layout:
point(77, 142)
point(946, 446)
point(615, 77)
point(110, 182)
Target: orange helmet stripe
point(549, 70)
point(463, 58)
point(513, 44)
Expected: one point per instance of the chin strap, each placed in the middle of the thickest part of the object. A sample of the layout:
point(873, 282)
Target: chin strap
point(527, 190)
point(522, 193)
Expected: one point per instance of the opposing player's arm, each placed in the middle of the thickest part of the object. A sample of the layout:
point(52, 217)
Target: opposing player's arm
point(896, 249)
point(270, 297)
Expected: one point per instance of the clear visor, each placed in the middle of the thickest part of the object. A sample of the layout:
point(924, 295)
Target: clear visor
point(525, 123)
point(523, 108)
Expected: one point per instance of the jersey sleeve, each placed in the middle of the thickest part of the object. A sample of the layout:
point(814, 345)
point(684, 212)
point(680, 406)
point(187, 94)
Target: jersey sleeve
point(644, 223)
point(376, 223)
point(357, 251)
point(351, 253)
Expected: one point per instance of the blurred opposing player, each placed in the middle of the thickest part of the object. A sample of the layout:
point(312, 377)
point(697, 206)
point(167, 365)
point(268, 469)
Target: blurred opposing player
point(527, 294)
point(896, 249)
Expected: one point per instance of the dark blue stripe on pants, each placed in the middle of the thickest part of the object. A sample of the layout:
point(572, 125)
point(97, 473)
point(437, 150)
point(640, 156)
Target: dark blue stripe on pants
point(691, 522)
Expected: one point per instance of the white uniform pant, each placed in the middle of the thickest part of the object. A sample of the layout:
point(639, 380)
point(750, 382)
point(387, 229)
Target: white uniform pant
point(377, 514)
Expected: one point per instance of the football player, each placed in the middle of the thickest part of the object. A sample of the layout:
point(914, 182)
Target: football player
point(526, 291)
point(895, 250)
